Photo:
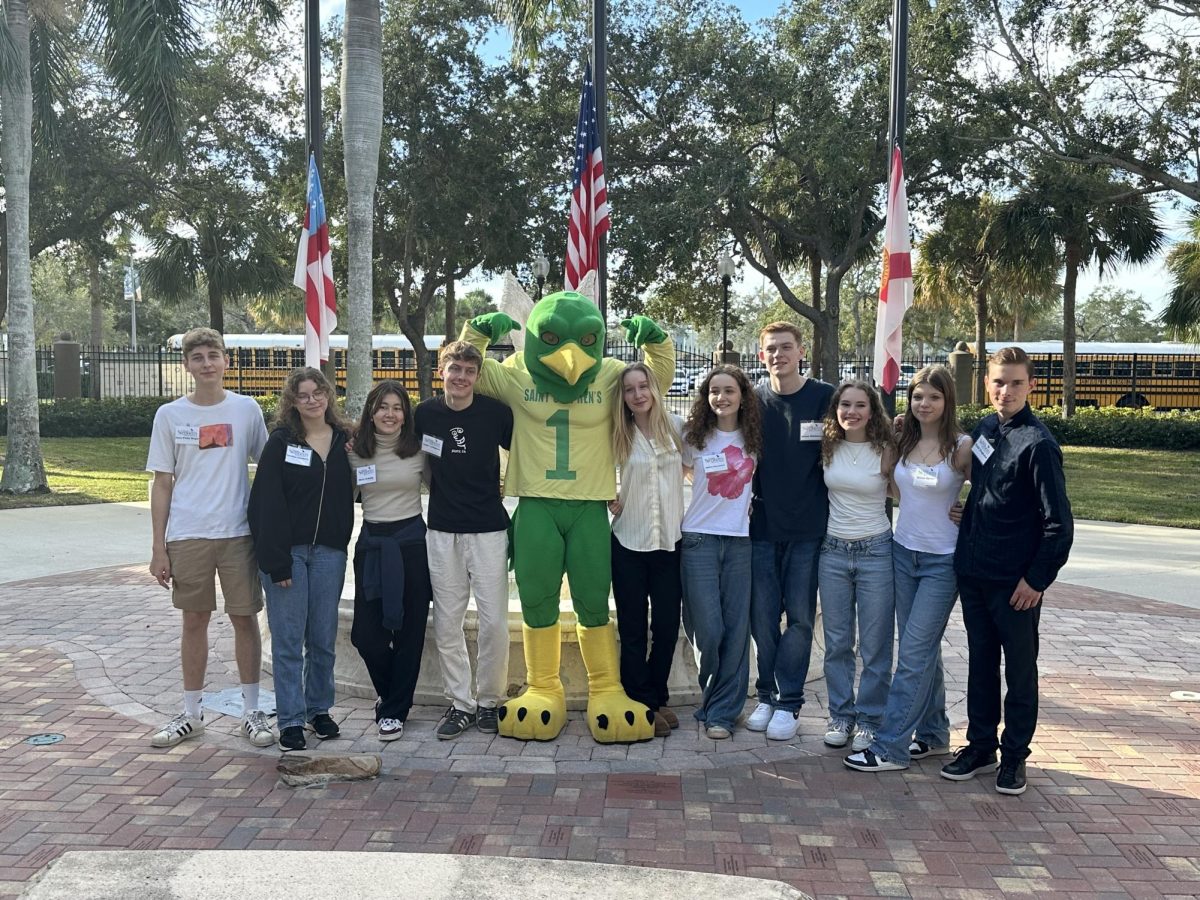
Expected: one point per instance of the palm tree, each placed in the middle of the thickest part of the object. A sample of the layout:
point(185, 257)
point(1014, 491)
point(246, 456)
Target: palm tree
point(962, 259)
point(362, 126)
point(144, 49)
point(1182, 315)
point(1082, 216)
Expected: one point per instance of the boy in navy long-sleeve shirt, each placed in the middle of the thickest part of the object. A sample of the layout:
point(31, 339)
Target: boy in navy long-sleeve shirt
point(1016, 534)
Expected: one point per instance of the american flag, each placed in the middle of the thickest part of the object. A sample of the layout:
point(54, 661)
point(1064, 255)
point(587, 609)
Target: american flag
point(314, 273)
point(589, 196)
point(896, 289)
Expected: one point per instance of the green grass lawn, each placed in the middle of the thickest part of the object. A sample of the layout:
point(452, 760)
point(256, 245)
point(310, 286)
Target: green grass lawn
point(88, 470)
point(1147, 487)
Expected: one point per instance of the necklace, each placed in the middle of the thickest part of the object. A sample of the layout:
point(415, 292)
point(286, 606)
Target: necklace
point(924, 456)
point(854, 457)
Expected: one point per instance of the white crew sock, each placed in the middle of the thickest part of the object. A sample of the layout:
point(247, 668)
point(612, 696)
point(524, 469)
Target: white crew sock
point(249, 698)
point(192, 701)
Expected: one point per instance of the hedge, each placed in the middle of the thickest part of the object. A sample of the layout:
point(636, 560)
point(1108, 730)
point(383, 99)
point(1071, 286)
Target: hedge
point(1130, 429)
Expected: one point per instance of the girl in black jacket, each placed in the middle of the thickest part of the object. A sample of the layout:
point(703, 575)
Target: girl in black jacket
point(301, 516)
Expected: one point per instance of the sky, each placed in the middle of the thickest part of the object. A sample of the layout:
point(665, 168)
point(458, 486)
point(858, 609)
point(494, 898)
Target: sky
point(1150, 281)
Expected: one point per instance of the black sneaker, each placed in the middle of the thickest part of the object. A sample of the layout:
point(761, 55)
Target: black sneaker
point(1011, 778)
point(968, 762)
point(487, 719)
point(324, 726)
point(454, 723)
point(291, 738)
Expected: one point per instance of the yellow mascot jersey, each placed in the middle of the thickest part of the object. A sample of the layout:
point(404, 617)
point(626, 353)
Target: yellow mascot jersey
point(563, 450)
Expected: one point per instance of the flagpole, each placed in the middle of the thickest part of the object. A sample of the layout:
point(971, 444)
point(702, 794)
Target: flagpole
point(312, 79)
point(897, 118)
point(600, 86)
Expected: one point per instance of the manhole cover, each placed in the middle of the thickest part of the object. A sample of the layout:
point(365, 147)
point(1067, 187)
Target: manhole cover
point(41, 740)
point(1185, 695)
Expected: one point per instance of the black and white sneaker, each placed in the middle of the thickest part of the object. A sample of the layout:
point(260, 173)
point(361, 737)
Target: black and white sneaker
point(1011, 777)
point(178, 729)
point(866, 761)
point(487, 719)
point(968, 762)
point(292, 738)
point(920, 750)
point(454, 723)
point(324, 726)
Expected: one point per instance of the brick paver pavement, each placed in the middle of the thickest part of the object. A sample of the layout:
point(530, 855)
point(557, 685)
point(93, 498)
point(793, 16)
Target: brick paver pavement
point(1113, 807)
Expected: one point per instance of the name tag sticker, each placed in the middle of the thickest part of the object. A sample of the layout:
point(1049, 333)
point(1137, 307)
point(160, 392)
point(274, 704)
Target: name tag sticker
point(188, 435)
point(431, 445)
point(714, 463)
point(982, 450)
point(924, 478)
point(812, 431)
point(299, 456)
point(364, 475)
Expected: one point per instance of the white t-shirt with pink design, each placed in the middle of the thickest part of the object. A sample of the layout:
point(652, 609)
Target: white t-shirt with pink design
point(722, 472)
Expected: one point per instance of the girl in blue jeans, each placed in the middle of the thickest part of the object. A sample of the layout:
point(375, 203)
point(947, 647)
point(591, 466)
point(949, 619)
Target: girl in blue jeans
point(934, 457)
point(301, 515)
point(854, 574)
point(721, 441)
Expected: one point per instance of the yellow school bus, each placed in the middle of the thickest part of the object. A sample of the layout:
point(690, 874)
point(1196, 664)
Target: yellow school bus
point(1162, 375)
point(259, 363)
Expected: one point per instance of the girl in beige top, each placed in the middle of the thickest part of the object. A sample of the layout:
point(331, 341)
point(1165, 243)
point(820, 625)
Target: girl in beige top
point(647, 445)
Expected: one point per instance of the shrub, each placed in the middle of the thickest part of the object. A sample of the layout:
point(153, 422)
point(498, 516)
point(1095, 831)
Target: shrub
point(1127, 429)
point(127, 417)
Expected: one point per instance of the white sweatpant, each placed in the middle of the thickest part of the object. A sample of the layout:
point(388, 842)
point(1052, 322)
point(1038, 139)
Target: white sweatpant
point(460, 564)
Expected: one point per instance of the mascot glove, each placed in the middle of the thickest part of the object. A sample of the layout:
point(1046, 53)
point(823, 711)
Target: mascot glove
point(495, 325)
point(642, 330)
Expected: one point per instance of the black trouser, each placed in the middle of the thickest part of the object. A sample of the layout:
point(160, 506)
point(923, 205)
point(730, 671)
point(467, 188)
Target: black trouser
point(393, 658)
point(646, 582)
point(994, 626)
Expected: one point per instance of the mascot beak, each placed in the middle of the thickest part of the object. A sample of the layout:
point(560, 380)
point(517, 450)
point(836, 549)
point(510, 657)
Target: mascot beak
point(568, 362)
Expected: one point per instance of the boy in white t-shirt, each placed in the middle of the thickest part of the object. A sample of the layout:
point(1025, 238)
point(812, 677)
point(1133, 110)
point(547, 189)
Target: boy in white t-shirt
point(198, 453)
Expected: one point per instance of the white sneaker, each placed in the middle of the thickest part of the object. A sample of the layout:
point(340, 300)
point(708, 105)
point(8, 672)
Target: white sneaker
point(257, 730)
point(838, 732)
point(760, 718)
point(177, 730)
point(390, 729)
point(784, 725)
point(863, 739)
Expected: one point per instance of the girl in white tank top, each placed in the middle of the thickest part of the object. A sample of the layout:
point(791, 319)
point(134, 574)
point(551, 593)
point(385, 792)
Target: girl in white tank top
point(933, 459)
point(854, 574)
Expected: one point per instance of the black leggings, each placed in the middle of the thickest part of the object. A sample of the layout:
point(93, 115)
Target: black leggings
point(646, 582)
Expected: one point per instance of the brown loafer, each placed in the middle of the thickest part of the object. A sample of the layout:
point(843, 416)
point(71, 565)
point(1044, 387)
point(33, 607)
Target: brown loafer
point(661, 727)
point(672, 719)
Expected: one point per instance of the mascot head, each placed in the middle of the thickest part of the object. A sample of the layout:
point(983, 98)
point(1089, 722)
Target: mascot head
point(564, 343)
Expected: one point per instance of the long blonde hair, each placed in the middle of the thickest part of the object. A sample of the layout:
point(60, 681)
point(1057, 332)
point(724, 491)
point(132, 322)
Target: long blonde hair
point(661, 429)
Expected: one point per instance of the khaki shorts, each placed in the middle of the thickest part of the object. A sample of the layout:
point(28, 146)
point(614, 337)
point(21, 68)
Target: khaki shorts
point(195, 561)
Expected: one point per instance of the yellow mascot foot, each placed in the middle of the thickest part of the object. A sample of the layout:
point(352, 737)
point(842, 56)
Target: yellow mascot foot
point(612, 717)
point(540, 713)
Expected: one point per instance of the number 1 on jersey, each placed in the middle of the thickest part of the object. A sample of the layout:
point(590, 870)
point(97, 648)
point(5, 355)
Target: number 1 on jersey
point(561, 423)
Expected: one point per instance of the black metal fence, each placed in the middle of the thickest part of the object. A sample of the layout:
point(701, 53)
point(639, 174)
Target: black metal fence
point(110, 372)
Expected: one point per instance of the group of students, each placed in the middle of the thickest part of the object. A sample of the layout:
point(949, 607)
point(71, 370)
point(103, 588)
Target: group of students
point(790, 483)
point(288, 534)
point(790, 487)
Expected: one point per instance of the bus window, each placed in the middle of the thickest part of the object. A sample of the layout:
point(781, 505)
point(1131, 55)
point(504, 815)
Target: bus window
point(245, 358)
point(387, 359)
point(1056, 367)
point(279, 358)
point(262, 358)
point(297, 358)
point(1102, 368)
point(1163, 367)
point(1083, 367)
point(1144, 368)
point(1122, 368)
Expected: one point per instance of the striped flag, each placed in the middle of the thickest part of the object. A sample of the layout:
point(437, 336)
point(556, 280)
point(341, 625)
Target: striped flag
point(314, 273)
point(589, 196)
point(896, 290)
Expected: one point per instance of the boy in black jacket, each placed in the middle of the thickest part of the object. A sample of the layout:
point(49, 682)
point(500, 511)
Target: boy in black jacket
point(1015, 535)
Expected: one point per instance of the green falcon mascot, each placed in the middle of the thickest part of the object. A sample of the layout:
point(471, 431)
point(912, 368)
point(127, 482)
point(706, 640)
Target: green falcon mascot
point(561, 390)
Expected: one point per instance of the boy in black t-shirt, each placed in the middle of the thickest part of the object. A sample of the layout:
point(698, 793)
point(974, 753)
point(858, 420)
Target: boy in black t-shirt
point(461, 435)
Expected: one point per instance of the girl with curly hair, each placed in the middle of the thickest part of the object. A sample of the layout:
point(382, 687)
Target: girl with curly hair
point(722, 441)
point(854, 573)
point(301, 515)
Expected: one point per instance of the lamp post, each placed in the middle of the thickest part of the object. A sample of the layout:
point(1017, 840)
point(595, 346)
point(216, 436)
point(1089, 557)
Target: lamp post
point(725, 269)
point(541, 268)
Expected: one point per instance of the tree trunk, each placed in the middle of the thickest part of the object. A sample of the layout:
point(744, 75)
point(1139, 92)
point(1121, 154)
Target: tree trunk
point(96, 296)
point(1017, 330)
point(830, 320)
point(24, 471)
point(216, 308)
point(3, 265)
point(362, 127)
point(814, 273)
point(412, 323)
point(979, 394)
point(450, 333)
point(1069, 280)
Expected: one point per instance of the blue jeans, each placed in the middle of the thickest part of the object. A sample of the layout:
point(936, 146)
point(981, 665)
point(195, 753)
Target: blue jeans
point(856, 582)
point(304, 623)
point(716, 619)
point(784, 583)
point(925, 592)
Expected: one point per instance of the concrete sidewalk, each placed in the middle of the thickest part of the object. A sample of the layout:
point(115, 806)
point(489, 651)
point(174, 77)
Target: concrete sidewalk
point(1140, 560)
